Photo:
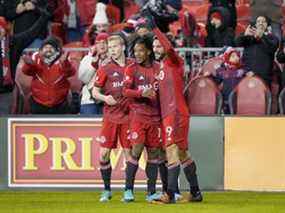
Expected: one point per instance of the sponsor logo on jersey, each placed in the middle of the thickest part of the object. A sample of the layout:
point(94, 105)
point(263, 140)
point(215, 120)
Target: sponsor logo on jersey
point(149, 86)
point(117, 84)
point(134, 135)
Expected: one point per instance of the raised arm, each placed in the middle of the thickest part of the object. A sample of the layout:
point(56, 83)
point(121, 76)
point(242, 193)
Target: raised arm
point(173, 56)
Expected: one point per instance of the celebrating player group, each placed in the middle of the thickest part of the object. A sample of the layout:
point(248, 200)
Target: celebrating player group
point(144, 107)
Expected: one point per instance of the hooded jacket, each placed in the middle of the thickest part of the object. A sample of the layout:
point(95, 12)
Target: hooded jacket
point(222, 36)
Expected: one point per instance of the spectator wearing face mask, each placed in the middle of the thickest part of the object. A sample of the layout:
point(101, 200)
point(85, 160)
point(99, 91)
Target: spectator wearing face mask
point(260, 46)
point(50, 70)
point(219, 32)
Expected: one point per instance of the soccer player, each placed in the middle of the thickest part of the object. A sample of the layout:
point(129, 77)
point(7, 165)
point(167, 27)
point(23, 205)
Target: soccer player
point(175, 118)
point(115, 117)
point(141, 85)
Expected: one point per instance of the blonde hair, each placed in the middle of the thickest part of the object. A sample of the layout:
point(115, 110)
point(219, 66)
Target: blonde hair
point(116, 38)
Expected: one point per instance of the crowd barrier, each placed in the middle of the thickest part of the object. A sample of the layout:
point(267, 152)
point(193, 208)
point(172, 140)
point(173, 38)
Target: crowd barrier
point(194, 58)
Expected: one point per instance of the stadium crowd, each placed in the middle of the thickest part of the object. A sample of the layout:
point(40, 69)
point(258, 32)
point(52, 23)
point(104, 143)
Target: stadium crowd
point(132, 73)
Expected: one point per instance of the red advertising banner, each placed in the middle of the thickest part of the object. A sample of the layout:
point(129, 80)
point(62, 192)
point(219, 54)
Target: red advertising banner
point(61, 152)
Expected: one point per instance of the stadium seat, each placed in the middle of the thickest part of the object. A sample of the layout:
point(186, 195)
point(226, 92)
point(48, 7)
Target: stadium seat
point(250, 97)
point(21, 92)
point(212, 65)
point(203, 97)
point(17, 102)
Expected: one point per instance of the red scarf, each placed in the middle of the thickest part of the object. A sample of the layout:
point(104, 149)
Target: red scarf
point(6, 68)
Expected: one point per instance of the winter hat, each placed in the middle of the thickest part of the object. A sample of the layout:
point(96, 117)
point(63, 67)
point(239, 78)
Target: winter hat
point(227, 54)
point(101, 15)
point(101, 37)
point(53, 41)
point(176, 4)
point(216, 15)
point(3, 23)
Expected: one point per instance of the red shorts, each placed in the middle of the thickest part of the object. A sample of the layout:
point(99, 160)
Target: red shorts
point(148, 134)
point(175, 131)
point(111, 133)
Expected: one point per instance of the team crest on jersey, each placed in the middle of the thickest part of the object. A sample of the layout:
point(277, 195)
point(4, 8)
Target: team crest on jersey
point(115, 74)
point(134, 135)
point(161, 75)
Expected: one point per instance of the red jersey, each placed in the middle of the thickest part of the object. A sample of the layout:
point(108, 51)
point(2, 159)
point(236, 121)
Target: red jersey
point(137, 78)
point(110, 78)
point(171, 83)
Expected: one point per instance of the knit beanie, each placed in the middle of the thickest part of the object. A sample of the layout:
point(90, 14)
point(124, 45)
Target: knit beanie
point(101, 15)
point(216, 15)
point(227, 54)
point(53, 41)
point(101, 37)
point(176, 4)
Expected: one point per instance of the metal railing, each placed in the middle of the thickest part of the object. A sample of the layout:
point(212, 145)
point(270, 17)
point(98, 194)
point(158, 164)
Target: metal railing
point(194, 58)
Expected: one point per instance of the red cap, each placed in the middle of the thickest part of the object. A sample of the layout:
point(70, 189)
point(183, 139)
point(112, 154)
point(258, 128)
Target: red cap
point(227, 54)
point(101, 37)
point(216, 15)
point(3, 23)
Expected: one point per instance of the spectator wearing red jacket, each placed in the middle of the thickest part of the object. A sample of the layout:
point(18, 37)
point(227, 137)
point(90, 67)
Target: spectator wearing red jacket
point(50, 71)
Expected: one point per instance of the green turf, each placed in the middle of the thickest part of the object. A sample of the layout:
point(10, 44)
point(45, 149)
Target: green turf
point(77, 202)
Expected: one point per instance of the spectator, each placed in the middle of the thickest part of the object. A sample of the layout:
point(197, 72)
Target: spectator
point(15, 44)
point(259, 48)
point(231, 6)
point(219, 32)
point(229, 74)
point(272, 10)
point(193, 34)
point(96, 57)
point(23, 15)
point(99, 24)
point(2, 11)
point(280, 56)
point(6, 81)
point(50, 71)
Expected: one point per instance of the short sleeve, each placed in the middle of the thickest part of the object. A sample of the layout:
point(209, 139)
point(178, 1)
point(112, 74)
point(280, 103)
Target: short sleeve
point(100, 78)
